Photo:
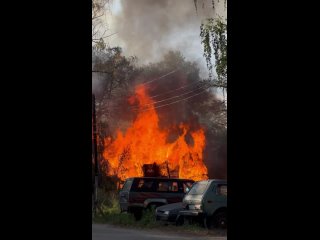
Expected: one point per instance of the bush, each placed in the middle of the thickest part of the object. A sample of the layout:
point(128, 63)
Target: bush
point(109, 205)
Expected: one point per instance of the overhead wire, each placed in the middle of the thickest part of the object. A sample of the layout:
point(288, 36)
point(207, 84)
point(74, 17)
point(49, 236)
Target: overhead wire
point(145, 83)
point(173, 97)
point(170, 91)
point(199, 86)
point(164, 105)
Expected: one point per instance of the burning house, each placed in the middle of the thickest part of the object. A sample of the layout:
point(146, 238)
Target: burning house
point(146, 149)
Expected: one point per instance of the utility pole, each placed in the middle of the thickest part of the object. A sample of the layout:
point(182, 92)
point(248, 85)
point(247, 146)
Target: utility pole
point(95, 154)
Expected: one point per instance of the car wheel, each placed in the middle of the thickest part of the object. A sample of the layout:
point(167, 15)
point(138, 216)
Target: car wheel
point(220, 220)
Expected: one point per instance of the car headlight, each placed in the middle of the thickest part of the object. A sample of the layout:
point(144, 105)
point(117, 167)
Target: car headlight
point(166, 212)
point(195, 206)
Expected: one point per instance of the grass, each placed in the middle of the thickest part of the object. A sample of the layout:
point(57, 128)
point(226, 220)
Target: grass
point(111, 214)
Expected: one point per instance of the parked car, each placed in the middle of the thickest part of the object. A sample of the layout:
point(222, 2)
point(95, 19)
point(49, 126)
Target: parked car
point(142, 193)
point(169, 212)
point(206, 201)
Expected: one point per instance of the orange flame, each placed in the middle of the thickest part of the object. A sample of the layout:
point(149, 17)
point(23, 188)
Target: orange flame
point(145, 143)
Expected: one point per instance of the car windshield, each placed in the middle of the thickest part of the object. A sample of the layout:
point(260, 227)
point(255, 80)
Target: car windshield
point(198, 188)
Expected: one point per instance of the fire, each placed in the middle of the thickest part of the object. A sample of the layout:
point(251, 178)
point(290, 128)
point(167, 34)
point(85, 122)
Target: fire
point(145, 143)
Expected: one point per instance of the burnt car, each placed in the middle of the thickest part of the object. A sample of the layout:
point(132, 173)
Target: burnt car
point(206, 202)
point(142, 193)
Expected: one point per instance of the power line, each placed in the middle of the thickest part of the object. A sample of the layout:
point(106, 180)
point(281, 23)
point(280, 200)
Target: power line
point(165, 93)
point(199, 87)
point(204, 85)
point(164, 105)
point(141, 84)
point(166, 99)
point(161, 76)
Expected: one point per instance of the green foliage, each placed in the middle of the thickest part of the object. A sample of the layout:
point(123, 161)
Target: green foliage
point(109, 203)
point(219, 36)
point(213, 35)
point(205, 30)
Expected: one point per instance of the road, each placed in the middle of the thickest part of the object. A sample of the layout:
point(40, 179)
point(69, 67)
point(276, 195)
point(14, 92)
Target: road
point(108, 232)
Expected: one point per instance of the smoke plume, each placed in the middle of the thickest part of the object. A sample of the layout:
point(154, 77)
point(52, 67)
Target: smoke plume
point(148, 28)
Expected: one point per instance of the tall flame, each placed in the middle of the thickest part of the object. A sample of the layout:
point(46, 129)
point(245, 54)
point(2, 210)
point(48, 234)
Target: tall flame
point(145, 143)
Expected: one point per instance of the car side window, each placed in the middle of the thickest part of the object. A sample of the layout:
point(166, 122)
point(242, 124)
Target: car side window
point(167, 186)
point(222, 190)
point(144, 185)
point(163, 186)
point(173, 187)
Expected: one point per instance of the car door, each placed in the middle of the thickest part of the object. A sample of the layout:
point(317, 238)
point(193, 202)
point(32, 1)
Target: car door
point(216, 198)
point(221, 195)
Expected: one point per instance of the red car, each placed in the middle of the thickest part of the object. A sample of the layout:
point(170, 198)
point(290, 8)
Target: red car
point(146, 192)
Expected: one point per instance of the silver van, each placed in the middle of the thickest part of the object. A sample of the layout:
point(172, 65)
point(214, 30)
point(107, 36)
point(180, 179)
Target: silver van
point(207, 200)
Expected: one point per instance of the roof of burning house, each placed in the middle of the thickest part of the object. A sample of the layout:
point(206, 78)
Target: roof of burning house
point(180, 179)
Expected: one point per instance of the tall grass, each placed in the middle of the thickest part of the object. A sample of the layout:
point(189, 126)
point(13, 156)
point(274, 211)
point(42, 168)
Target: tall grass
point(109, 204)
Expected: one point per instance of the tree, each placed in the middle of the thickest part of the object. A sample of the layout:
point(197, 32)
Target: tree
point(115, 71)
point(214, 39)
point(99, 28)
point(213, 33)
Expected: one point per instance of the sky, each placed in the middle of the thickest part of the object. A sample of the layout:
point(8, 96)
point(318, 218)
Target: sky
point(148, 29)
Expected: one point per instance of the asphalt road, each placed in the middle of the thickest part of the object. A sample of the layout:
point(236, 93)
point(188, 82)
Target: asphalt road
point(108, 232)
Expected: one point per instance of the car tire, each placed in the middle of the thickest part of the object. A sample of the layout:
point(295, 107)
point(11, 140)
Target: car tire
point(220, 220)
